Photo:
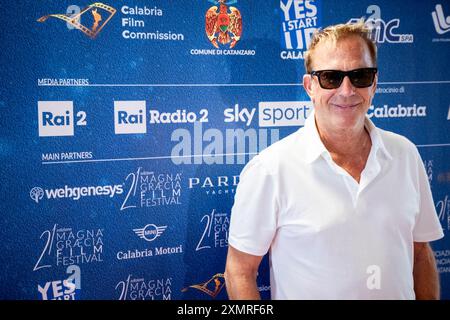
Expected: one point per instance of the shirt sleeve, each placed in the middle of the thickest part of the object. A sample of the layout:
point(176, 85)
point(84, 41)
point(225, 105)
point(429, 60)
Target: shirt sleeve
point(254, 214)
point(427, 227)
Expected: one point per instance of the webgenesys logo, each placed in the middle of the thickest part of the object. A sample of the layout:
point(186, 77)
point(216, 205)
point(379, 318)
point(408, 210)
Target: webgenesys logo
point(75, 193)
point(89, 20)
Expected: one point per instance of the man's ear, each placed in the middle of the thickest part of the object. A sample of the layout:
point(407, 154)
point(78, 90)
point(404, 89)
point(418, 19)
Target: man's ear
point(307, 84)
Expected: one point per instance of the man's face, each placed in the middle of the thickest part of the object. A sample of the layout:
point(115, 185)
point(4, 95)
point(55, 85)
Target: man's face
point(346, 106)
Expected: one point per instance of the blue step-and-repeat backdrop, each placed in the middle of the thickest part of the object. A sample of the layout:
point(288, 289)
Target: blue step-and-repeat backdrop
point(125, 126)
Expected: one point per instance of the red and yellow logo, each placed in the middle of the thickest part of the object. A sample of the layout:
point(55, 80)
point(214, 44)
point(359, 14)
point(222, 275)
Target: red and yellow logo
point(96, 15)
point(221, 26)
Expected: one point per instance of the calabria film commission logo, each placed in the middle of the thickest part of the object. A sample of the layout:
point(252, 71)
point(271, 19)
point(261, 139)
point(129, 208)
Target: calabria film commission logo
point(89, 20)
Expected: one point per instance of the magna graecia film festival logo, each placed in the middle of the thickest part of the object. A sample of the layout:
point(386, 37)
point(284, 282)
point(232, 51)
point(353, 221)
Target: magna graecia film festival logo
point(89, 20)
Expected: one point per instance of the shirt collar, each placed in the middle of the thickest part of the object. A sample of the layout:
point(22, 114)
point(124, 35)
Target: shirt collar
point(315, 147)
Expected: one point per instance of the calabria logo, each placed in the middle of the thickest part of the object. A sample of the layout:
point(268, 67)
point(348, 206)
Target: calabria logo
point(221, 26)
point(96, 16)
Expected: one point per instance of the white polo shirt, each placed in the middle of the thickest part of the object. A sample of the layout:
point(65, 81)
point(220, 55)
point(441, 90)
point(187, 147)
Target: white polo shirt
point(330, 237)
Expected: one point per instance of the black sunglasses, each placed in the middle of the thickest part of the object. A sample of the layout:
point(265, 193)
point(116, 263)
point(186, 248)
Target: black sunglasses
point(332, 79)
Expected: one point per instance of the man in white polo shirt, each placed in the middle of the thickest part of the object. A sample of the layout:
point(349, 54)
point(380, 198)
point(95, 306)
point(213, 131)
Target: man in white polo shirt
point(344, 208)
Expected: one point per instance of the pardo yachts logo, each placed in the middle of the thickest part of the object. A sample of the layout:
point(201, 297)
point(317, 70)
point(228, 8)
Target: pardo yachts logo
point(150, 232)
point(129, 117)
point(215, 185)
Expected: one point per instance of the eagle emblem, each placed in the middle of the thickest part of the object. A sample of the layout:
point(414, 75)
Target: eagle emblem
point(223, 26)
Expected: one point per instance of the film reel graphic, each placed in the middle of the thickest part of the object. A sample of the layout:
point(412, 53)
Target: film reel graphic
point(212, 287)
point(74, 20)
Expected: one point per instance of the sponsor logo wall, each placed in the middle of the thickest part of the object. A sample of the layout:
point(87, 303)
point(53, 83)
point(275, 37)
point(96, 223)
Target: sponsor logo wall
point(126, 125)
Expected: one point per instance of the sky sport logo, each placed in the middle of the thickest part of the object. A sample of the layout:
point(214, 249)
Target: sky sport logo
point(284, 113)
point(150, 232)
point(95, 16)
point(75, 193)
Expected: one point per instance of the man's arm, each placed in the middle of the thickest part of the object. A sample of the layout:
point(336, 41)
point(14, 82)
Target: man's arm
point(426, 278)
point(240, 275)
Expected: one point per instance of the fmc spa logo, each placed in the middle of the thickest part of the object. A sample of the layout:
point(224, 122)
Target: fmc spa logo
point(96, 15)
point(221, 26)
point(150, 232)
point(383, 30)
